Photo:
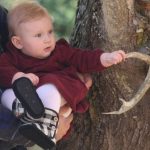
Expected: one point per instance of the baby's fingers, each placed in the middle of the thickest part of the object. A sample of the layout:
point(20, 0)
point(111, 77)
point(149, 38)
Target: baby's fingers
point(122, 54)
point(119, 56)
point(34, 79)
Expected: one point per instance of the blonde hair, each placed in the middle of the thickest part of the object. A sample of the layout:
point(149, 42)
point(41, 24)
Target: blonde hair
point(24, 12)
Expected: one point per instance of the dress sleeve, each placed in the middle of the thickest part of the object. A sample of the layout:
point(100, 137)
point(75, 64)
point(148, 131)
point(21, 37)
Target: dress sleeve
point(85, 61)
point(7, 70)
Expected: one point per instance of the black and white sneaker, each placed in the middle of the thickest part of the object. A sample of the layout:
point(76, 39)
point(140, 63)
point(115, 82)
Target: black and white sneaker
point(41, 131)
point(50, 119)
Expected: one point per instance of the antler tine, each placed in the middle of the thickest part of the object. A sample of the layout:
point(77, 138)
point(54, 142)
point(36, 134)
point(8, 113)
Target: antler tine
point(127, 105)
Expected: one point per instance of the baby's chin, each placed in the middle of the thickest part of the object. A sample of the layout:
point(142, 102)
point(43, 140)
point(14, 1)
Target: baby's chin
point(45, 56)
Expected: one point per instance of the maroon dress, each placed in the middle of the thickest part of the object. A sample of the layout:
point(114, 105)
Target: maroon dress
point(60, 69)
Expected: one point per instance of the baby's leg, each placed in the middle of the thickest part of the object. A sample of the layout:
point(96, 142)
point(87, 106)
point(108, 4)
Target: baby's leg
point(47, 124)
point(50, 96)
point(51, 100)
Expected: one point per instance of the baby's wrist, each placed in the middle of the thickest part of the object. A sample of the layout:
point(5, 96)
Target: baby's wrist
point(103, 59)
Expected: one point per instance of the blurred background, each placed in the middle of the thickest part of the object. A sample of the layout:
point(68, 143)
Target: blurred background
point(63, 12)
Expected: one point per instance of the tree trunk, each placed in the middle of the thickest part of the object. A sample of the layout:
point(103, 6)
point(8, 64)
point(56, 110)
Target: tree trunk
point(111, 25)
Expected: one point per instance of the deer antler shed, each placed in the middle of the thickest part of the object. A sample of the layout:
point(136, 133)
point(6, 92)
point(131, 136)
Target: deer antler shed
point(127, 105)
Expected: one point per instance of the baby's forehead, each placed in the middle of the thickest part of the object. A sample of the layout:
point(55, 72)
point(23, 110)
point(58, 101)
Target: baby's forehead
point(36, 25)
point(38, 19)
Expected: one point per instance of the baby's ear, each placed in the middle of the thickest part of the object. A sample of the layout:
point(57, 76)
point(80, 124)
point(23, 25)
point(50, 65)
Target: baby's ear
point(17, 42)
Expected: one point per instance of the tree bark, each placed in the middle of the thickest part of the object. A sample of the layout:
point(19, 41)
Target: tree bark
point(110, 25)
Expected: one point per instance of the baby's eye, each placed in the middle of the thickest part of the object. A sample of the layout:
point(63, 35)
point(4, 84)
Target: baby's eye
point(50, 31)
point(38, 35)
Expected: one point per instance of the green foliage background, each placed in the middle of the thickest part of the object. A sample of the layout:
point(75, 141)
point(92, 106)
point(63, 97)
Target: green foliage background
point(63, 12)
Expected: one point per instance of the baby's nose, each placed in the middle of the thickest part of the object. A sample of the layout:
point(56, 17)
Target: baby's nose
point(47, 38)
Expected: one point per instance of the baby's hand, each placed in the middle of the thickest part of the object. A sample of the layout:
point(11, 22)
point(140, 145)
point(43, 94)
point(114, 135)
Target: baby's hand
point(108, 59)
point(34, 79)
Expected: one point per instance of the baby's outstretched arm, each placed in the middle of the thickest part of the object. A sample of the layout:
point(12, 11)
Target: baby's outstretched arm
point(109, 59)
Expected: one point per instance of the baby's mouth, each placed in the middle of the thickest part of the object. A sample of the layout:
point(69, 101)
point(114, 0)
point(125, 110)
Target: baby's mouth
point(48, 48)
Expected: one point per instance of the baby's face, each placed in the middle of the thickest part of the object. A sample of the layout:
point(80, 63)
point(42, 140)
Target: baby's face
point(37, 37)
